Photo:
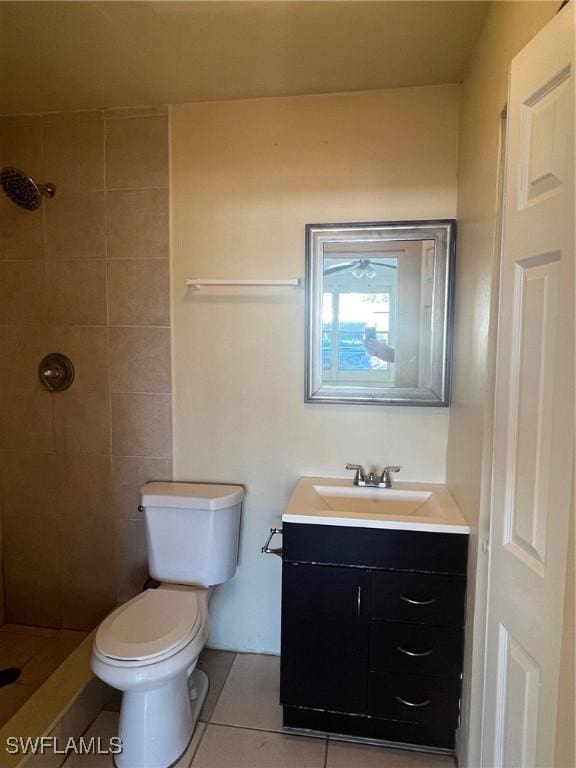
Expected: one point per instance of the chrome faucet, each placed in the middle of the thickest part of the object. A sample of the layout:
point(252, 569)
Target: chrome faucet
point(371, 480)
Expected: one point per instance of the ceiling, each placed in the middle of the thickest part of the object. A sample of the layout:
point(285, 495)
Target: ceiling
point(83, 55)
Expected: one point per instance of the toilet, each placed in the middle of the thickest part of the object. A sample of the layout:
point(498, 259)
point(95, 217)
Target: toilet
point(149, 646)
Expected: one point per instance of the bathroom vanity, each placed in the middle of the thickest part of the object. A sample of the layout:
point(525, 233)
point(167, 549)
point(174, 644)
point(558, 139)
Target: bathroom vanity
point(373, 596)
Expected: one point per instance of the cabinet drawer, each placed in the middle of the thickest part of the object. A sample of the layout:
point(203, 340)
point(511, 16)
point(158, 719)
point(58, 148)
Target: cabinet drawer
point(415, 649)
point(375, 548)
point(419, 598)
point(414, 698)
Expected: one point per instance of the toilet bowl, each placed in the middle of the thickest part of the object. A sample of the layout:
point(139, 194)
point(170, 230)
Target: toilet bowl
point(148, 647)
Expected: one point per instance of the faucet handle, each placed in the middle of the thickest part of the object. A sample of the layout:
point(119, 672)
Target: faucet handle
point(385, 479)
point(360, 475)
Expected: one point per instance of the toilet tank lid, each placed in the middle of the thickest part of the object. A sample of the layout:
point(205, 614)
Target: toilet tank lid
point(191, 495)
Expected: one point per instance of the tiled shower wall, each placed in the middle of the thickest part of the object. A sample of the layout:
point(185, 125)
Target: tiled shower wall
point(86, 275)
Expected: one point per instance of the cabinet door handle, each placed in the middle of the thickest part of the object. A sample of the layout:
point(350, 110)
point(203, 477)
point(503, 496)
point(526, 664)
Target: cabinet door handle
point(413, 601)
point(413, 703)
point(359, 601)
point(414, 653)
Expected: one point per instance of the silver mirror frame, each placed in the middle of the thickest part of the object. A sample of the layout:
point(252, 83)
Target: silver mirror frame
point(443, 231)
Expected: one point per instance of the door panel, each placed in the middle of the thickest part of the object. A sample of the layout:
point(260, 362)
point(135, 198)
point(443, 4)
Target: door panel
point(324, 637)
point(544, 146)
point(534, 407)
point(533, 374)
point(517, 703)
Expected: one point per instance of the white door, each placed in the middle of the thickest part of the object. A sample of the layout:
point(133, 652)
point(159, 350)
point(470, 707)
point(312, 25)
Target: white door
point(534, 412)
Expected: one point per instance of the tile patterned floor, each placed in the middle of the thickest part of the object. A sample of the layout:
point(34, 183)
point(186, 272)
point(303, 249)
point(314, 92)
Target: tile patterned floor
point(240, 727)
point(37, 652)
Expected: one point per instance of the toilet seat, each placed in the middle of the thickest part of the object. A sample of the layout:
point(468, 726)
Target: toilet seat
point(151, 627)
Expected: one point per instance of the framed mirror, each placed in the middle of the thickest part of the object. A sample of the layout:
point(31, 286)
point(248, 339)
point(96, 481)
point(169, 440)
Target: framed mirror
point(379, 312)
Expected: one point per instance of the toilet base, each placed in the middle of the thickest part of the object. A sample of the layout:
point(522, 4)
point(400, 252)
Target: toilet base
point(156, 726)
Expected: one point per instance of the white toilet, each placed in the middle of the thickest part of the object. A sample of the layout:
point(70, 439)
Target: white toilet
point(149, 646)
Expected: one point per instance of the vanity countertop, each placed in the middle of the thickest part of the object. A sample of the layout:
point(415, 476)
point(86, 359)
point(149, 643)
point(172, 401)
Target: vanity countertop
point(406, 506)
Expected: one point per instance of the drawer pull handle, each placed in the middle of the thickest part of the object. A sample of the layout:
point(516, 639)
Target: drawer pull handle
point(412, 601)
point(414, 653)
point(413, 703)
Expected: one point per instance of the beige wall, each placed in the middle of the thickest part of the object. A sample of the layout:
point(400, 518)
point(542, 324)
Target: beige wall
point(86, 275)
point(509, 26)
point(246, 177)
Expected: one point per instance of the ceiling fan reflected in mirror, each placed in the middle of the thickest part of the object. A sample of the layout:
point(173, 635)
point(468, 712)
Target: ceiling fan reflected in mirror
point(362, 267)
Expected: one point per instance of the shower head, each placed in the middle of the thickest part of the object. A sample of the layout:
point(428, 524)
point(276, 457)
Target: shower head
point(23, 190)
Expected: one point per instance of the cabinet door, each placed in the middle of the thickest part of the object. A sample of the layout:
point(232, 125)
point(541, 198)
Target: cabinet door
point(324, 637)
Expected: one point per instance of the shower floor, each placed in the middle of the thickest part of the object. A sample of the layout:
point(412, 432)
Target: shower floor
point(37, 652)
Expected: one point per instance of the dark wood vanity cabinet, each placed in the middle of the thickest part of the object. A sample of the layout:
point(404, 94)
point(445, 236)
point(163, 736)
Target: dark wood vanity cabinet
point(373, 632)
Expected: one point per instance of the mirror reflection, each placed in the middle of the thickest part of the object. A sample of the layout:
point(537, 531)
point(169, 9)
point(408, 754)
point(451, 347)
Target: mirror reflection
point(377, 313)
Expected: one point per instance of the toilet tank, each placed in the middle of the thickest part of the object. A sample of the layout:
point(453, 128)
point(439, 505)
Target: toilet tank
point(192, 531)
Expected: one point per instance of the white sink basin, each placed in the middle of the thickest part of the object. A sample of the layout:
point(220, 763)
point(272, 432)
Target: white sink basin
point(358, 501)
point(409, 506)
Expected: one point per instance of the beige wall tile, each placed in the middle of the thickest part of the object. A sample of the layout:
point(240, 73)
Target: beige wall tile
point(26, 421)
point(129, 475)
point(130, 557)
point(31, 569)
point(55, 449)
point(21, 349)
point(22, 293)
point(76, 116)
point(75, 225)
point(27, 483)
point(21, 232)
point(87, 578)
point(77, 293)
point(139, 292)
point(82, 422)
point(21, 147)
point(87, 347)
point(82, 413)
point(137, 152)
point(84, 484)
point(25, 118)
point(74, 152)
point(115, 113)
point(142, 425)
point(140, 360)
point(137, 224)
point(25, 407)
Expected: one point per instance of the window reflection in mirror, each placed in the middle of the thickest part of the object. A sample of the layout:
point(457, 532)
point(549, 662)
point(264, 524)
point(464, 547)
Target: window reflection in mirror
point(380, 332)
